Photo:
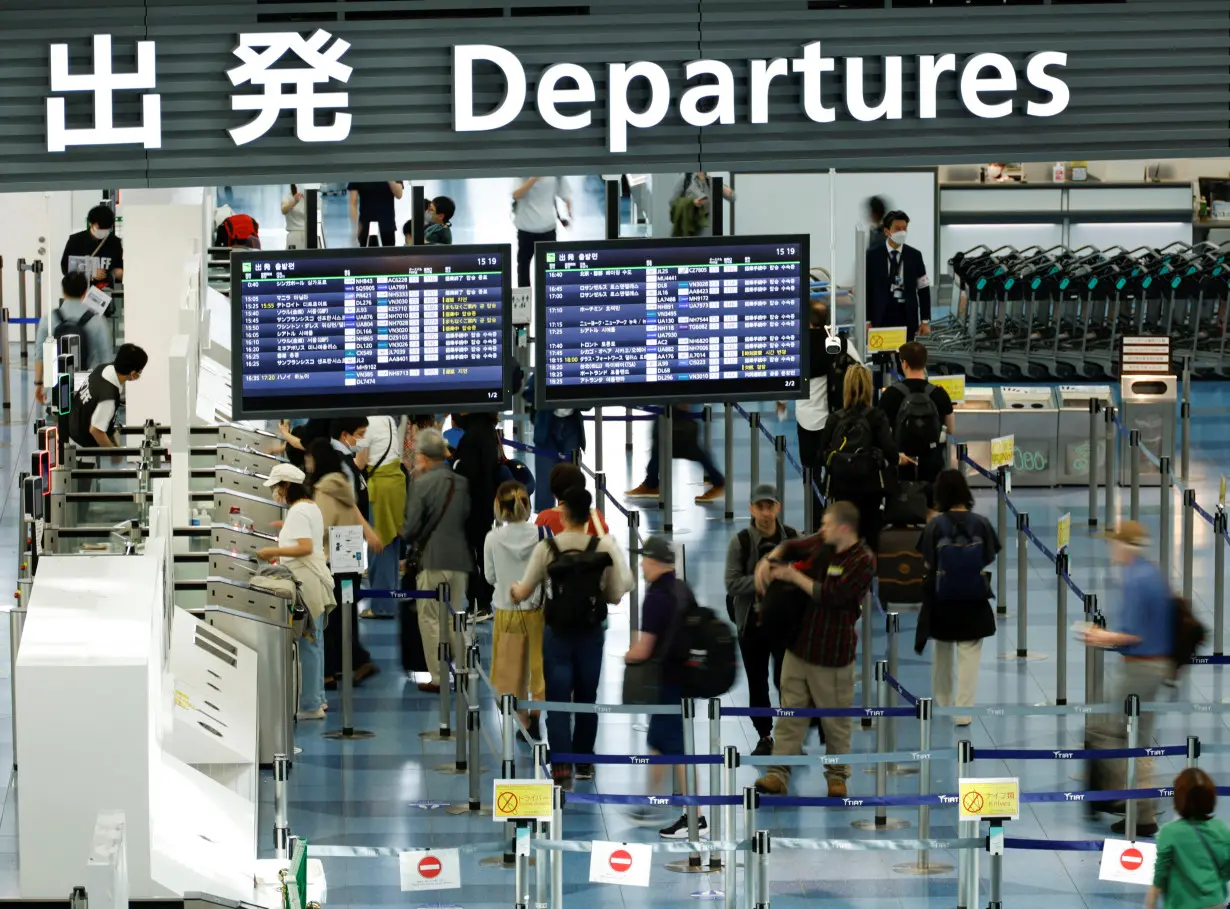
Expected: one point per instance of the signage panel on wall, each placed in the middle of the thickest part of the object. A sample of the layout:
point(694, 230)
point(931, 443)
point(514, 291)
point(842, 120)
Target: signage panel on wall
point(671, 321)
point(360, 331)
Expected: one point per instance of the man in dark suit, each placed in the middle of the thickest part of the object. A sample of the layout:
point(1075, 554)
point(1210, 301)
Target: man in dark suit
point(898, 289)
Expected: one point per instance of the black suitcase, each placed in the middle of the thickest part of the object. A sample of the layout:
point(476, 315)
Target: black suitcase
point(900, 565)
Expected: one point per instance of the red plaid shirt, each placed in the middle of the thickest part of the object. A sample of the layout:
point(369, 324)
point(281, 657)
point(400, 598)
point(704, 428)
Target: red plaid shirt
point(829, 635)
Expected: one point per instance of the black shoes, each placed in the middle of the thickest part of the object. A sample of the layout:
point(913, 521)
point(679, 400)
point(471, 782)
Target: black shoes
point(764, 746)
point(1120, 827)
point(583, 772)
point(679, 829)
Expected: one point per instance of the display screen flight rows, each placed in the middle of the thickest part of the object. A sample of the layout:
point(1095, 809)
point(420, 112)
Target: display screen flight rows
point(416, 321)
point(622, 319)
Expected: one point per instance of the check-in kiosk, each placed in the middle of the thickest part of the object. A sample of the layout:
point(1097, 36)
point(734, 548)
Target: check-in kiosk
point(976, 423)
point(1030, 414)
point(1072, 445)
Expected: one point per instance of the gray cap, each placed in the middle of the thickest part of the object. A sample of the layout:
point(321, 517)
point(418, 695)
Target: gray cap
point(659, 549)
point(430, 444)
point(765, 492)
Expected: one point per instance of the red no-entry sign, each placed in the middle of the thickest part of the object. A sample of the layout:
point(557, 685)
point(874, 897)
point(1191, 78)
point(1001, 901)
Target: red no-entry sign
point(620, 860)
point(1131, 859)
point(429, 867)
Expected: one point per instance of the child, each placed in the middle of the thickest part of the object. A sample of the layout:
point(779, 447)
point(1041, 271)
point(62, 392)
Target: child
point(517, 646)
point(440, 213)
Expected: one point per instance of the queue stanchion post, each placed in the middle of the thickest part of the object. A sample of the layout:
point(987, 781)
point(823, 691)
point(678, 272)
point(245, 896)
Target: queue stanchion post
point(628, 428)
point(965, 755)
point(521, 864)
point(1132, 709)
point(1193, 751)
point(751, 806)
point(598, 439)
point(23, 341)
point(461, 680)
point(809, 501)
point(779, 457)
point(1091, 685)
point(881, 821)
point(718, 826)
point(1185, 416)
point(666, 469)
point(753, 421)
point(17, 622)
point(1061, 629)
point(1100, 661)
point(923, 864)
point(892, 627)
point(693, 863)
point(540, 752)
point(557, 858)
point(508, 754)
point(1001, 558)
point(446, 657)
point(728, 451)
point(1022, 586)
point(995, 852)
point(1112, 482)
point(1219, 580)
point(730, 767)
point(5, 359)
point(281, 820)
point(1134, 472)
point(761, 846)
point(634, 596)
point(706, 426)
point(542, 866)
point(474, 725)
point(1095, 406)
point(1163, 535)
point(1189, 542)
point(345, 585)
point(600, 490)
point(868, 658)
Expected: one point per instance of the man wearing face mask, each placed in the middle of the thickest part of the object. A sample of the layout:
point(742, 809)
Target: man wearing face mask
point(826, 376)
point(898, 288)
point(97, 252)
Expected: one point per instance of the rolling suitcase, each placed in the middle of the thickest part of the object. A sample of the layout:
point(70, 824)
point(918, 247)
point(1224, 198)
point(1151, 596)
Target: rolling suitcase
point(900, 565)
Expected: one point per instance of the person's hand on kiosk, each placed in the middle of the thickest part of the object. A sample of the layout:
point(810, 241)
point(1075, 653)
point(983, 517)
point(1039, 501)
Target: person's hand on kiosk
point(40, 394)
point(924, 329)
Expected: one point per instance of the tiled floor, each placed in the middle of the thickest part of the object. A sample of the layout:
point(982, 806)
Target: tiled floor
point(362, 793)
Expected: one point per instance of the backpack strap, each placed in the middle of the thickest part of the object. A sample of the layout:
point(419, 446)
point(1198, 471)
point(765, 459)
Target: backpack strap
point(745, 546)
point(592, 544)
point(553, 546)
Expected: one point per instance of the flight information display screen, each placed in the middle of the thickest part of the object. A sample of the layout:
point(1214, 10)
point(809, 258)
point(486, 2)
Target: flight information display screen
point(671, 320)
point(370, 330)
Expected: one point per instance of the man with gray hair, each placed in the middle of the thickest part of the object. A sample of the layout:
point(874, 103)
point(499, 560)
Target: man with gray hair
point(434, 529)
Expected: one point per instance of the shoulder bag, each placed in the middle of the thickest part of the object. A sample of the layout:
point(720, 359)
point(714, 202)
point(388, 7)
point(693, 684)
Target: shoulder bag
point(414, 557)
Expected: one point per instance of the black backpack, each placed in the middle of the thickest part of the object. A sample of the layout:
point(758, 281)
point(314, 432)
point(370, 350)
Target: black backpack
point(838, 366)
point(1189, 633)
point(575, 602)
point(706, 647)
point(73, 327)
point(854, 467)
point(919, 428)
point(959, 561)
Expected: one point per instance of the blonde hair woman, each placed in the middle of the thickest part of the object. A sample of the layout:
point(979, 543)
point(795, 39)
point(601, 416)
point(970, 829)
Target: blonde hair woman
point(516, 652)
point(859, 453)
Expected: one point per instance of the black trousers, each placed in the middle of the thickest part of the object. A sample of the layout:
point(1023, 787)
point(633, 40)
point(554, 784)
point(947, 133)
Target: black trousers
point(809, 456)
point(388, 232)
point(333, 637)
point(757, 653)
point(525, 253)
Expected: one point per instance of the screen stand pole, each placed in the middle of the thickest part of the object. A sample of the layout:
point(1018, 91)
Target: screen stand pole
point(418, 206)
point(859, 292)
point(312, 217)
point(666, 470)
point(716, 207)
point(598, 439)
point(729, 447)
point(612, 209)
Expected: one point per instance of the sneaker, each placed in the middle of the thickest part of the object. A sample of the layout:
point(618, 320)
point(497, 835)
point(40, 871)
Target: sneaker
point(679, 829)
point(771, 785)
point(837, 787)
point(317, 714)
point(644, 816)
point(715, 494)
point(643, 492)
point(1120, 827)
point(764, 746)
point(583, 772)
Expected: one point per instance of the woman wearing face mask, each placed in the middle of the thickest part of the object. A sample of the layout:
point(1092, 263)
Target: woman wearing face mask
point(898, 288)
point(96, 252)
point(300, 550)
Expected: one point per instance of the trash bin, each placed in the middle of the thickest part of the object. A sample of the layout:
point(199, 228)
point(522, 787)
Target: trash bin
point(976, 423)
point(1031, 415)
point(1150, 404)
point(1072, 444)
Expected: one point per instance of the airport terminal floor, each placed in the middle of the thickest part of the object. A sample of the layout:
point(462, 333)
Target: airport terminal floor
point(386, 791)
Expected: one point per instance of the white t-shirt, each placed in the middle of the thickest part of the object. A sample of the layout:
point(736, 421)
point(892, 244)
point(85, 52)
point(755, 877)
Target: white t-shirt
point(303, 521)
point(105, 410)
point(536, 212)
point(296, 218)
point(813, 412)
point(385, 436)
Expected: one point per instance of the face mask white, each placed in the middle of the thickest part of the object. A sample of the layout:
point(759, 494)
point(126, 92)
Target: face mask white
point(898, 237)
point(360, 445)
point(99, 234)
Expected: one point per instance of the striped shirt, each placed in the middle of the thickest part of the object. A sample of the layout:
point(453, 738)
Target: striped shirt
point(829, 635)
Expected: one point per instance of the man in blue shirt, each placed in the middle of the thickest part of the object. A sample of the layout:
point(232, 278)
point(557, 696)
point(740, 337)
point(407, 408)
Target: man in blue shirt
point(1145, 639)
point(75, 317)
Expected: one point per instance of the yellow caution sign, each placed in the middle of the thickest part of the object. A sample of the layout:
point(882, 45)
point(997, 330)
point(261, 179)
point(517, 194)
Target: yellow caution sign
point(1002, 451)
point(1065, 531)
point(884, 340)
point(954, 385)
point(522, 800)
point(994, 797)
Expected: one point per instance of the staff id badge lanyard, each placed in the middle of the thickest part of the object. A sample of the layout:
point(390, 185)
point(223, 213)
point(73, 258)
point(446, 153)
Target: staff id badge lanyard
point(898, 276)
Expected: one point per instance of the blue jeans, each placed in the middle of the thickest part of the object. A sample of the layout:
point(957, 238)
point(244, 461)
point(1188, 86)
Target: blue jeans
point(572, 665)
point(564, 436)
point(312, 668)
point(382, 574)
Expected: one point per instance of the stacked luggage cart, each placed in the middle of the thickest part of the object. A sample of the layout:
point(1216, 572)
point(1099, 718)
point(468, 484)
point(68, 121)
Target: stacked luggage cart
point(1060, 313)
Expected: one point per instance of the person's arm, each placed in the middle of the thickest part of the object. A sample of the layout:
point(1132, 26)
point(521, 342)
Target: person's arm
point(101, 439)
point(888, 445)
point(40, 338)
point(117, 261)
point(415, 512)
point(616, 580)
point(374, 542)
point(520, 191)
point(1133, 600)
point(642, 648)
point(535, 572)
point(924, 295)
point(354, 206)
point(875, 304)
point(397, 188)
point(288, 203)
point(489, 559)
point(302, 548)
point(1161, 870)
point(64, 257)
point(738, 582)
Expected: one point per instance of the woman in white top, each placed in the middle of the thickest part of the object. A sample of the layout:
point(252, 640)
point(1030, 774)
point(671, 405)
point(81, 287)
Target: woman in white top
point(380, 462)
point(516, 651)
point(299, 552)
point(295, 209)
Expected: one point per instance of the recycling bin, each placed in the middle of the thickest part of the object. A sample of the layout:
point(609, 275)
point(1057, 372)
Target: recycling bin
point(1031, 416)
point(976, 423)
point(1150, 404)
point(1072, 445)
